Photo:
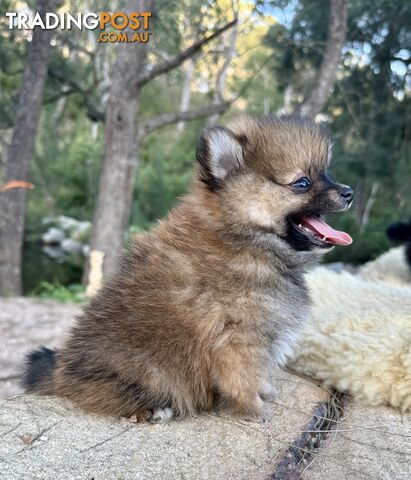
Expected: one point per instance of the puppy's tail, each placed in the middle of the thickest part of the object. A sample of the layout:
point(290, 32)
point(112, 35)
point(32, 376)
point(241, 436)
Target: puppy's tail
point(39, 368)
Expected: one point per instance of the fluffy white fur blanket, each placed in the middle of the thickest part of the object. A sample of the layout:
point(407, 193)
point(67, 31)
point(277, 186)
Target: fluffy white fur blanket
point(358, 339)
point(390, 267)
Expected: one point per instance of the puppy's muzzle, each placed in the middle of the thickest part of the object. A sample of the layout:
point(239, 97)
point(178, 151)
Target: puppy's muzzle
point(336, 197)
point(347, 195)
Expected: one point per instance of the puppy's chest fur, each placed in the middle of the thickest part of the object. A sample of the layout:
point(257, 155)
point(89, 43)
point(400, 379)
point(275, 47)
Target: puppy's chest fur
point(215, 298)
point(268, 308)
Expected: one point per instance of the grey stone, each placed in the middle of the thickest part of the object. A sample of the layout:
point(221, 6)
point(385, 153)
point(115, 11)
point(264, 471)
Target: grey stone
point(370, 443)
point(26, 323)
point(71, 246)
point(53, 236)
point(47, 438)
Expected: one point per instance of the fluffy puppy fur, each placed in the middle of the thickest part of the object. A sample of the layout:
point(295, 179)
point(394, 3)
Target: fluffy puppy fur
point(203, 305)
point(358, 338)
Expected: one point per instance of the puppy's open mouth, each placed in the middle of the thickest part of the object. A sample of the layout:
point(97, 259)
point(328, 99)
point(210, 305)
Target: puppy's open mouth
point(319, 232)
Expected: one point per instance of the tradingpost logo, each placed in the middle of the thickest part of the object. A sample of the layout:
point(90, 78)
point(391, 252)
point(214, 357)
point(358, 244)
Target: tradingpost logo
point(114, 27)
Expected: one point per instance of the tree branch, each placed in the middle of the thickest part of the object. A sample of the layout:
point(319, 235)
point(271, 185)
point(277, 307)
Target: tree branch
point(179, 59)
point(92, 112)
point(218, 96)
point(159, 121)
point(97, 116)
point(148, 126)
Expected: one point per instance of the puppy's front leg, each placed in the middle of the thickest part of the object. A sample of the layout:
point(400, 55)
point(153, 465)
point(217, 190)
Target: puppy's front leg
point(236, 373)
point(267, 391)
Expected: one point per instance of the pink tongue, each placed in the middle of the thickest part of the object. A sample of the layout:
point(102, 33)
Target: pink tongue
point(333, 236)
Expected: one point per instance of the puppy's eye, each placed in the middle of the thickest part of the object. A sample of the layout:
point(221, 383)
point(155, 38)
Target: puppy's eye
point(302, 184)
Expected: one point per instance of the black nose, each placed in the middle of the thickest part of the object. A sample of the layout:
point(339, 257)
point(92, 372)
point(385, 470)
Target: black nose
point(347, 193)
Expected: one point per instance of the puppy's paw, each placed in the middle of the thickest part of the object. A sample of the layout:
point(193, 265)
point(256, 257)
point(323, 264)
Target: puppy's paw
point(140, 416)
point(265, 414)
point(161, 415)
point(262, 415)
point(267, 392)
point(258, 411)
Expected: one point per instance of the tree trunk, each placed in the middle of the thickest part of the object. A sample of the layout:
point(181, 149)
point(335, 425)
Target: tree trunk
point(337, 27)
point(122, 137)
point(186, 90)
point(288, 94)
point(365, 217)
point(121, 155)
point(229, 54)
point(13, 202)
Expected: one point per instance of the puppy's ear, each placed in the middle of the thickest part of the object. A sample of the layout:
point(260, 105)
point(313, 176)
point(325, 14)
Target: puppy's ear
point(220, 154)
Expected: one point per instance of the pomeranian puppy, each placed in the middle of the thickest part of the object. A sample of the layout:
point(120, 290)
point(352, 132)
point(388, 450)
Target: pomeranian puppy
point(205, 304)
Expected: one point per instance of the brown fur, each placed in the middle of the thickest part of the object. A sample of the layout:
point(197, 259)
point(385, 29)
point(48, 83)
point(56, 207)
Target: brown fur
point(203, 305)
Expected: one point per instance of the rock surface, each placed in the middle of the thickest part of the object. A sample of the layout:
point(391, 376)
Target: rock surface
point(371, 443)
point(47, 438)
point(26, 323)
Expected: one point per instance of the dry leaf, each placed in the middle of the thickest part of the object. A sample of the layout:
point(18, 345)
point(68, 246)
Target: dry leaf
point(16, 184)
point(26, 438)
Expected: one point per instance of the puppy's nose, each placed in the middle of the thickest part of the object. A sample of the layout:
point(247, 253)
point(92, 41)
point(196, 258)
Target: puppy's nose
point(347, 193)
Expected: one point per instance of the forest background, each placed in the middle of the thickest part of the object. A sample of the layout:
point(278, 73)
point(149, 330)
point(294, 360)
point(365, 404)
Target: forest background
point(346, 63)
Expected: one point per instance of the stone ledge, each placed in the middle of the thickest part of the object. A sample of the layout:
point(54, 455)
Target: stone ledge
point(48, 438)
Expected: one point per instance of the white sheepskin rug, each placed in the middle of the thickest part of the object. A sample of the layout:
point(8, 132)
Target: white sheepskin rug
point(390, 267)
point(358, 339)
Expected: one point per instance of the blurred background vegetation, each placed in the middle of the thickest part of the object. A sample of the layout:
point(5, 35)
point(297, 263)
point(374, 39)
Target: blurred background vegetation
point(278, 47)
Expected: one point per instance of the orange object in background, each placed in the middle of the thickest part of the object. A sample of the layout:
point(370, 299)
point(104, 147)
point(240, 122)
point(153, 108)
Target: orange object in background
point(15, 184)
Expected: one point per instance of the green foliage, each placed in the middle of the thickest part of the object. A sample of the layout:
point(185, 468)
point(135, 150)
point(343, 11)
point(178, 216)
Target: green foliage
point(368, 114)
point(65, 169)
point(164, 174)
point(38, 267)
point(71, 293)
point(368, 111)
